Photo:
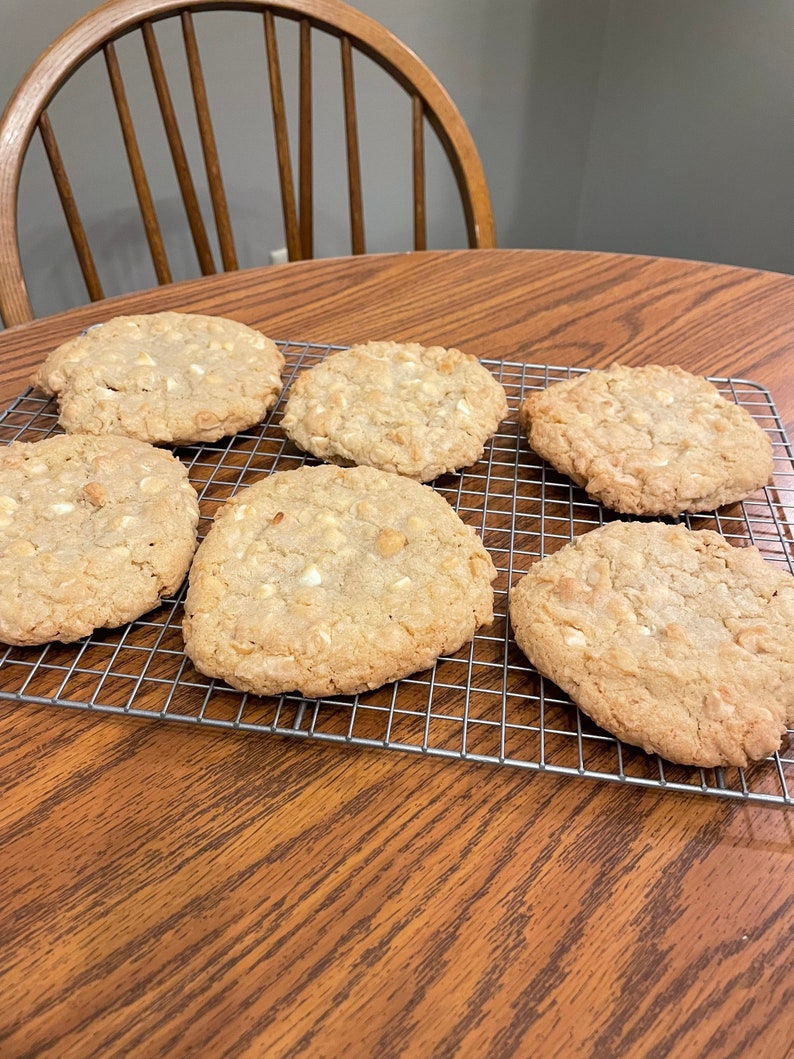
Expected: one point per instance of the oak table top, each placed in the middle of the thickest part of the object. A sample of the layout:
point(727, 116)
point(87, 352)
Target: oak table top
point(174, 891)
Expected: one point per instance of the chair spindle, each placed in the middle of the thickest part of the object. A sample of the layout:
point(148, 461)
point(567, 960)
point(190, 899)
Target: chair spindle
point(177, 147)
point(305, 177)
point(353, 157)
point(209, 147)
point(69, 206)
point(291, 229)
point(154, 235)
point(418, 139)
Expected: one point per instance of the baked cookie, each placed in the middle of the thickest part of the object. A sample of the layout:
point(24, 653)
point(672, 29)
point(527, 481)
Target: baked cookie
point(416, 411)
point(330, 580)
point(169, 378)
point(670, 639)
point(650, 440)
point(93, 532)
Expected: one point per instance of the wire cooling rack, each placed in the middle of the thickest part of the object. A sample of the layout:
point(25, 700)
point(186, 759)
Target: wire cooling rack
point(485, 703)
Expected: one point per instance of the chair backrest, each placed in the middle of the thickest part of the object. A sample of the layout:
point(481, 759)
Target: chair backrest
point(97, 35)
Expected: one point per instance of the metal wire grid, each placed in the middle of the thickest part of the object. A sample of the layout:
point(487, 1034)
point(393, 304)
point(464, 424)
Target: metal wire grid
point(483, 704)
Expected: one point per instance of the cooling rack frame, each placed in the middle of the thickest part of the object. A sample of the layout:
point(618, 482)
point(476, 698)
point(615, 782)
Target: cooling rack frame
point(484, 704)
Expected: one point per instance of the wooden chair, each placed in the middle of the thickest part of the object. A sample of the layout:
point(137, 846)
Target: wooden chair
point(97, 34)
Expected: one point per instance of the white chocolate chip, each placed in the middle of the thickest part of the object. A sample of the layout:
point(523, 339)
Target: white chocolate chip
point(594, 576)
point(8, 504)
point(574, 637)
point(311, 576)
point(654, 459)
point(62, 508)
point(144, 358)
point(151, 484)
point(363, 509)
point(242, 647)
point(197, 369)
point(171, 384)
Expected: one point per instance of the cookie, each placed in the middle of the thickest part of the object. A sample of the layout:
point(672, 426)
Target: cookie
point(93, 532)
point(671, 639)
point(330, 580)
point(168, 378)
point(415, 411)
point(650, 440)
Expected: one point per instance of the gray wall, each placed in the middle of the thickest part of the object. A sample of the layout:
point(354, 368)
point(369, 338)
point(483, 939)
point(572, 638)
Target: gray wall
point(627, 125)
point(691, 148)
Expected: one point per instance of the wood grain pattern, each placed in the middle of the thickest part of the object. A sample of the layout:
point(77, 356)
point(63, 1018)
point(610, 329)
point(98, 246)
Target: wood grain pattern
point(170, 892)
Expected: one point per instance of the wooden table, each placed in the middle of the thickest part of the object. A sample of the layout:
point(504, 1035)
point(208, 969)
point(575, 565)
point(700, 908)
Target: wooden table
point(172, 891)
